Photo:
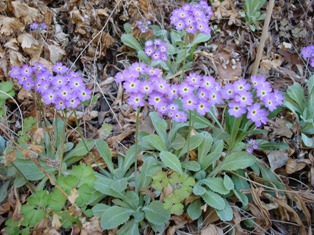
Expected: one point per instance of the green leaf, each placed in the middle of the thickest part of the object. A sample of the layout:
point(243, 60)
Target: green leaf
point(214, 155)
point(4, 190)
point(84, 173)
point(296, 93)
point(199, 190)
point(143, 57)
point(204, 148)
point(194, 209)
point(32, 216)
point(120, 185)
point(129, 159)
point(154, 141)
point(31, 171)
point(104, 185)
point(130, 41)
point(228, 183)
point(214, 200)
point(226, 213)
point(178, 142)
point(310, 85)
point(127, 28)
point(308, 142)
point(131, 227)
point(160, 126)
point(100, 209)
point(79, 151)
point(191, 166)
point(200, 38)
point(56, 200)
point(172, 161)
point(155, 213)
point(241, 196)
point(215, 184)
point(149, 168)
point(235, 161)
point(193, 142)
point(115, 216)
point(105, 153)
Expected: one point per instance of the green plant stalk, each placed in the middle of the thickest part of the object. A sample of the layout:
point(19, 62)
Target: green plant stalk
point(189, 135)
point(136, 146)
point(85, 145)
point(62, 143)
point(185, 52)
point(215, 119)
point(234, 131)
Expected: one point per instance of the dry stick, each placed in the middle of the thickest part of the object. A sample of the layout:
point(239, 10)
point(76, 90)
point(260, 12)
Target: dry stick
point(263, 37)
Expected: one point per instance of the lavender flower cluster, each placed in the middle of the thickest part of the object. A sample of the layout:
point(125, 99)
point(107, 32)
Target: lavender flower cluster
point(252, 145)
point(143, 25)
point(308, 53)
point(254, 100)
point(156, 49)
point(63, 88)
point(192, 17)
point(38, 26)
point(199, 93)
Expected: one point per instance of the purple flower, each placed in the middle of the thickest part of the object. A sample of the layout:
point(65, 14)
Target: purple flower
point(263, 90)
point(132, 85)
point(156, 99)
point(189, 102)
point(235, 109)
point(252, 145)
point(308, 52)
point(185, 89)
point(193, 79)
point(269, 102)
point(257, 80)
point(241, 85)
point(257, 115)
point(59, 68)
point(208, 83)
point(49, 97)
point(136, 100)
point(84, 95)
point(143, 25)
point(26, 70)
point(228, 92)
point(173, 92)
point(15, 72)
point(33, 26)
point(202, 107)
point(244, 98)
point(149, 51)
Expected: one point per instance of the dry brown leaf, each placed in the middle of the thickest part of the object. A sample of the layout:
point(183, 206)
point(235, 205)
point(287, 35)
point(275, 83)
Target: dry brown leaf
point(24, 12)
point(30, 45)
point(226, 10)
point(56, 221)
point(16, 58)
point(226, 70)
point(277, 159)
point(92, 227)
point(50, 231)
point(12, 44)
point(293, 165)
point(56, 53)
point(9, 25)
point(212, 230)
point(285, 206)
point(73, 196)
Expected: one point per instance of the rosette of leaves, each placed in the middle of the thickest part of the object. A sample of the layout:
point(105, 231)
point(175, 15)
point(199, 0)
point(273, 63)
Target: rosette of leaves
point(180, 51)
point(78, 184)
point(252, 13)
point(302, 106)
point(212, 188)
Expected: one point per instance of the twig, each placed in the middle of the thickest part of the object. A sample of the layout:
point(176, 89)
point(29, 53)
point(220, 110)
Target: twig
point(263, 37)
